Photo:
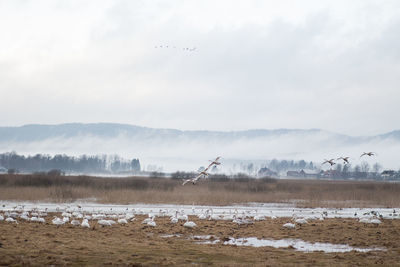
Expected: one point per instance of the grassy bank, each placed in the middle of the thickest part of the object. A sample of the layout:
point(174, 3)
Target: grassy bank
point(308, 193)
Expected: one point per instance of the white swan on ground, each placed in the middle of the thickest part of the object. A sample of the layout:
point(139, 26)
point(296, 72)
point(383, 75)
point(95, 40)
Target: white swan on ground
point(75, 222)
point(370, 220)
point(76, 214)
point(289, 225)
point(25, 217)
point(57, 221)
point(34, 219)
point(152, 223)
point(11, 220)
point(122, 221)
point(182, 217)
point(66, 214)
point(189, 224)
point(1, 218)
point(214, 217)
point(259, 218)
point(105, 222)
point(129, 216)
point(228, 217)
point(147, 220)
point(376, 221)
point(98, 216)
point(85, 223)
point(14, 215)
point(202, 216)
point(301, 221)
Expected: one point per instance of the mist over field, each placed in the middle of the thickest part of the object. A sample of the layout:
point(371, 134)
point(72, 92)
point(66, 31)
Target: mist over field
point(172, 150)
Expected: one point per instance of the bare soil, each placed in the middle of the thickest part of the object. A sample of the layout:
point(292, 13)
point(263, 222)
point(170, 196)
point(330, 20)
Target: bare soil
point(136, 244)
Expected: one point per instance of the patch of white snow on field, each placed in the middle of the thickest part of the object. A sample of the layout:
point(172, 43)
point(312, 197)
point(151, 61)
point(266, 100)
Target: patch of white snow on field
point(297, 244)
point(206, 239)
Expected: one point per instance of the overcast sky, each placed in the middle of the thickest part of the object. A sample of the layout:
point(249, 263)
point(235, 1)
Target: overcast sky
point(333, 65)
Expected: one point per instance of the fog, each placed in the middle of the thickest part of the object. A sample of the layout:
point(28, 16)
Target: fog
point(188, 153)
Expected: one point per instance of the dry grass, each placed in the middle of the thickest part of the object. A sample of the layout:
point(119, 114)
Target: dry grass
point(32, 244)
point(308, 193)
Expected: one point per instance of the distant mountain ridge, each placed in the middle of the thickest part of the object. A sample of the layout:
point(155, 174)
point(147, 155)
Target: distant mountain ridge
point(39, 132)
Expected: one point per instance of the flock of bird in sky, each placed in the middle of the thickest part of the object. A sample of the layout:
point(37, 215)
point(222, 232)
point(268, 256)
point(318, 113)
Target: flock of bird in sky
point(190, 49)
point(346, 159)
point(204, 172)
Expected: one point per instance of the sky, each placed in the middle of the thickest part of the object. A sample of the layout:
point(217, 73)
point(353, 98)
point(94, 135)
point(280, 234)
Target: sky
point(333, 65)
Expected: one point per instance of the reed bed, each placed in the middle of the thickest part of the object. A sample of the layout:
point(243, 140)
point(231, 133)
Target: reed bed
point(213, 191)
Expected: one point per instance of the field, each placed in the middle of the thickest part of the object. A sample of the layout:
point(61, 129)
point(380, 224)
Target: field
point(306, 193)
point(137, 244)
point(347, 223)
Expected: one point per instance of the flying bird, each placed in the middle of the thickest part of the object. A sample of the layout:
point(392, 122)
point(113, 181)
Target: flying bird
point(329, 161)
point(214, 162)
point(368, 154)
point(345, 159)
point(203, 173)
point(195, 179)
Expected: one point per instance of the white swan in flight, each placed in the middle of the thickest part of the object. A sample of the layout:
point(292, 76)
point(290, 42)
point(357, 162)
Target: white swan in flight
point(192, 180)
point(368, 154)
point(330, 161)
point(203, 173)
point(345, 159)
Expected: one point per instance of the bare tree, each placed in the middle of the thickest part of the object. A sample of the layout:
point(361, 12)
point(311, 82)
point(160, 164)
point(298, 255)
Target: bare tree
point(339, 168)
point(376, 168)
point(365, 166)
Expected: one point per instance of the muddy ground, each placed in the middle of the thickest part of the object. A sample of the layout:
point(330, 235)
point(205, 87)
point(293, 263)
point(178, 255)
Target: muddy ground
point(137, 244)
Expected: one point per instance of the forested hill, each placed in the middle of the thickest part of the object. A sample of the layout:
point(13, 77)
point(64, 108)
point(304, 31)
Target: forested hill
point(82, 164)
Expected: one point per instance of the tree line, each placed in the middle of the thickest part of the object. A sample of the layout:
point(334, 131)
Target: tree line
point(69, 164)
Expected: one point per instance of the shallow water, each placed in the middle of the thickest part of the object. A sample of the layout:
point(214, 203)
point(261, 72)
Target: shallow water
point(297, 244)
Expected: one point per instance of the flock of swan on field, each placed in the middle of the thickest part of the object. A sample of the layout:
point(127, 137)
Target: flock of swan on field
point(80, 217)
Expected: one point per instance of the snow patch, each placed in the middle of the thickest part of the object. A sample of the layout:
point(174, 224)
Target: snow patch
point(297, 244)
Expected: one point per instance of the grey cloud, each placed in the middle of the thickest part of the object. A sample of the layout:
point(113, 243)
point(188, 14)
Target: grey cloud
point(271, 74)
